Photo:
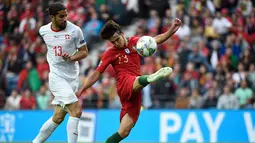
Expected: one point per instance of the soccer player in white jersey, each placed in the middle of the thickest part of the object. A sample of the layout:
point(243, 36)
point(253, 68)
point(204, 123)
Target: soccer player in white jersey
point(66, 46)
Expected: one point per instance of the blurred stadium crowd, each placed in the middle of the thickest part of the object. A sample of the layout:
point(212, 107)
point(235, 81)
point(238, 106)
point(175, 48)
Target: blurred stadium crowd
point(212, 54)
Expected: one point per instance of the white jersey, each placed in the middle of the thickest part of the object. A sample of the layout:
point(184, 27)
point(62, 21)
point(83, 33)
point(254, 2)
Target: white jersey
point(60, 42)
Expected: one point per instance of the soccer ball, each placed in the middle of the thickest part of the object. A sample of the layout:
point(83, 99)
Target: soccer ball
point(146, 46)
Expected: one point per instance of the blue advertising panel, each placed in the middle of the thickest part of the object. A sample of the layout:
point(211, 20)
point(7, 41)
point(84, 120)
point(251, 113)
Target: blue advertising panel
point(152, 126)
point(25, 125)
point(182, 126)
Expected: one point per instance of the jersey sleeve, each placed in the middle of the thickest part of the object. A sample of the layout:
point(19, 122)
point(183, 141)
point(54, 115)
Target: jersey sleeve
point(105, 61)
point(41, 31)
point(79, 40)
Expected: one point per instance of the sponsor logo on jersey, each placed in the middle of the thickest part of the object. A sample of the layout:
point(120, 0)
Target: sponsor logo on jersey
point(127, 51)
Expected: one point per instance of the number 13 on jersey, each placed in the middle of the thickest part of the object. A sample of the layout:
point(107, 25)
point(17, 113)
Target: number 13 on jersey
point(58, 50)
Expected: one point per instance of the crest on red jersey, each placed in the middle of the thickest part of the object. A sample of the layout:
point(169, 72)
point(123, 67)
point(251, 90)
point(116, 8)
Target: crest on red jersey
point(127, 51)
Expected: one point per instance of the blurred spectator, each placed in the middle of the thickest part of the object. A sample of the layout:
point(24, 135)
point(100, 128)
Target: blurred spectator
point(239, 75)
point(184, 52)
point(227, 100)
point(251, 76)
point(182, 100)
point(247, 59)
point(92, 29)
point(43, 98)
point(175, 75)
point(195, 100)
point(198, 59)
point(208, 83)
point(214, 55)
point(27, 21)
point(118, 10)
point(244, 94)
point(13, 68)
point(104, 14)
point(221, 24)
point(163, 93)
point(210, 31)
point(27, 100)
point(210, 99)
point(29, 78)
point(42, 67)
point(153, 23)
point(231, 58)
point(13, 101)
point(159, 5)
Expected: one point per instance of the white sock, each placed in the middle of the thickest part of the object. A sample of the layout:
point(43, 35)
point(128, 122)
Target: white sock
point(72, 129)
point(46, 130)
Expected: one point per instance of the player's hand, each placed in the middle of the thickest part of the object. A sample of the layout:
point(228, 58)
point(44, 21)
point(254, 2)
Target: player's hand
point(177, 22)
point(78, 94)
point(66, 57)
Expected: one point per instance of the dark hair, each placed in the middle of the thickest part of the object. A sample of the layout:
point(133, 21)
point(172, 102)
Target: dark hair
point(55, 7)
point(109, 29)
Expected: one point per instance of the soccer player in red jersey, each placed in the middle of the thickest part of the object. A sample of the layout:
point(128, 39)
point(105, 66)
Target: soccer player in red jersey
point(126, 63)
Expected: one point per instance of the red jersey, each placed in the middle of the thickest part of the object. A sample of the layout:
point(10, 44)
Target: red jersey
point(124, 61)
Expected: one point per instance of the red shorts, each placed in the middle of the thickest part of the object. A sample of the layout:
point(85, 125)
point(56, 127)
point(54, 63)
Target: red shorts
point(131, 101)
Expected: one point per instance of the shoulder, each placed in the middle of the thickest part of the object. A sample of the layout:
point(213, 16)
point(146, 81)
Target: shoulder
point(72, 27)
point(132, 41)
point(109, 51)
point(44, 29)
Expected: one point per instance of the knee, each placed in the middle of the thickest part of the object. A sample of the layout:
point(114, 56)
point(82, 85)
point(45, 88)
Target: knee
point(124, 132)
point(57, 119)
point(76, 113)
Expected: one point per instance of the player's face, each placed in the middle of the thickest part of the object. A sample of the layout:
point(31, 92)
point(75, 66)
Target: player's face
point(60, 19)
point(118, 40)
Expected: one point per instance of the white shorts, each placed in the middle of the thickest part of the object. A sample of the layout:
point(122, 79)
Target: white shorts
point(63, 90)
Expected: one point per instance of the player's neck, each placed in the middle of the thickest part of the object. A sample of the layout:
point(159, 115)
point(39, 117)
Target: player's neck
point(55, 28)
point(126, 41)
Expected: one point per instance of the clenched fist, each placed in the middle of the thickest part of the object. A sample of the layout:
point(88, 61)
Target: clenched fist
point(177, 22)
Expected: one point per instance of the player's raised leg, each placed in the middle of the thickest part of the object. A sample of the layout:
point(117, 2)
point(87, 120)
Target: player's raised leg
point(50, 125)
point(126, 125)
point(144, 80)
point(74, 111)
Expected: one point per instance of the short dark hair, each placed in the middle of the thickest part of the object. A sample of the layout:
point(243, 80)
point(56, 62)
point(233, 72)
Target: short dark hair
point(109, 29)
point(55, 7)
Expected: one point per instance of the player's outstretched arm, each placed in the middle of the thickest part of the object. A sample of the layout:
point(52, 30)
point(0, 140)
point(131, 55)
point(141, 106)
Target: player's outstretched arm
point(94, 77)
point(164, 36)
point(81, 54)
